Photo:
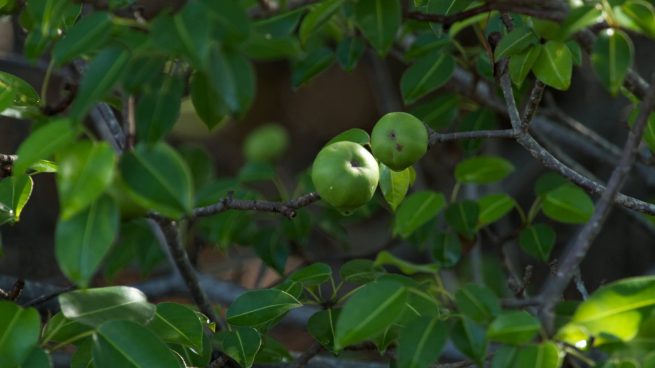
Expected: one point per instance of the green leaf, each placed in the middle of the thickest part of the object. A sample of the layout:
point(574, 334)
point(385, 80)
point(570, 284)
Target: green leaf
point(101, 74)
point(314, 274)
point(193, 33)
point(38, 358)
point(159, 179)
point(264, 47)
point(15, 191)
point(272, 351)
point(233, 78)
point(369, 311)
point(314, 62)
point(43, 142)
point(554, 65)
point(206, 101)
point(549, 182)
point(62, 329)
point(483, 170)
point(408, 268)
point(356, 135)
point(438, 112)
point(85, 170)
point(447, 7)
point(17, 97)
point(538, 241)
point(493, 207)
point(394, 185)
point(446, 249)
point(321, 326)
point(230, 18)
point(463, 216)
point(470, 339)
point(420, 342)
point(578, 19)
point(95, 306)
point(477, 302)
point(318, 15)
point(242, 345)
point(44, 166)
point(349, 52)
point(358, 270)
point(611, 58)
point(513, 328)
point(158, 109)
point(128, 344)
point(19, 333)
point(426, 75)
point(642, 13)
point(90, 33)
point(179, 324)
point(379, 21)
point(82, 241)
point(257, 307)
point(546, 355)
point(417, 209)
point(515, 42)
point(568, 204)
point(521, 64)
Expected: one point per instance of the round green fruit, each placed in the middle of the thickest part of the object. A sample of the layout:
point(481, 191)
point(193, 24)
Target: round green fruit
point(266, 144)
point(345, 175)
point(399, 140)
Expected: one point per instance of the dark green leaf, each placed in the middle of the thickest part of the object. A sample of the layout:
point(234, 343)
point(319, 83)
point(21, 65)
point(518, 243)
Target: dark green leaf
point(314, 62)
point(314, 274)
point(463, 216)
point(85, 170)
point(420, 342)
point(128, 344)
point(358, 270)
point(193, 33)
point(15, 191)
point(38, 358)
point(176, 323)
point(19, 333)
point(477, 302)
point(447, 7)
point(349, 51)
point(514, 42)
point(318, 15)
point(369, 311)
point(538, 240)
point(158, 109)
point(62, 329)
point(642, 13)
point(470, 339)
point(577, 19)
point(611, 58)
point(554, 65)
point(394, 185)
point(257, 307)
point(233, 78)
point(242, 344)
point(483, 170)
point(521, 64)
point(82, 241)
point(417, 209)
point(159, 179)
point(548, 182)
point(493, 207)
point(426, 75)
point(446, 249)
point(546, 355)
point(16, 92)
point(379, 21)
point(43, 142)
point(513, 328)
point(206, 101)
point(568, 204)
point(408, 268)
point(321, 326)
point(231, 19)
point(439, 112)
point(272, 351)
point(95, 306)
point(89, 33)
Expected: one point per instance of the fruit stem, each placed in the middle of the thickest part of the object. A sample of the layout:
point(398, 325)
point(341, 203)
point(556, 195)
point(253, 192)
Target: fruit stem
point(455, 192)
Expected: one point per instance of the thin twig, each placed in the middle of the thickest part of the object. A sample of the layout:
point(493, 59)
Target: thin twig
point(579, 247)
point(306, 356)
point(50, 296)
point(287, 208)
point(436, 137)
point(533, 104)
point(448, 20)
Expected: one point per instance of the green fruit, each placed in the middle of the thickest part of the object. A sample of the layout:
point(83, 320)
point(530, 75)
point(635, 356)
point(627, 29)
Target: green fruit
point(266, 144)
point(399, 140)
point(345, 175)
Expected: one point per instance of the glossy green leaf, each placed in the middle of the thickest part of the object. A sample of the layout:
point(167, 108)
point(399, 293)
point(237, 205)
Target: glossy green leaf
point(521, 64)
point(206, 101)
point(513, 328)
point(477, 302)
point(446, 249)
point(38, 358)
point(83, 240)
point(394, 185)
point(321, 326)
point(230, 18)
point(463, 216)
point(85, 170)
point(44, 166)
point(369, 311)
point(19, 333)
point(483, 170)
point(101, 74)
point(242, 345)
point(358, 270)
point(257, 307)
point(438, 112)
point(379, 21)
point(420, 342)
point(179, 324)
point(98, 305)
point(447, 7)
point(549, 182)
point(159, 179)
point(17, 97)
point(554, 65)
point(43, 142)
point(579, 18)
point(272, 351)
point(426, 75)
point(546, 355)
point(417, 209)
point(515, 42)
point(265, 47)
point(318, 15)
point(538, 241)
point(158, 109)
point(356, 135)
point(128, 344)
point(89, 33)
point(62, 329)
point(349, 52)
point(493, 207)
point(313, 63)
point(642, 13)
point(611, 58)
point(385, 258)
point(191, 25)
point(314, 274)
point(568, 204)
point(233, 78)
point(470, 339)
point(15, 192)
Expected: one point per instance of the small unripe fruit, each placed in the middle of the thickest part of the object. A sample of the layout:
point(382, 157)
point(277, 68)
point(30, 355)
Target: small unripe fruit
point(266, 144)
point(345, 175)
point(399, 140)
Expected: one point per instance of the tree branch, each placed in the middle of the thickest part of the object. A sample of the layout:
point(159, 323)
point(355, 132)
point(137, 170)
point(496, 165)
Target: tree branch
point(287, 208)
point(436, 137)
point(577, 249)
point(447, 20)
